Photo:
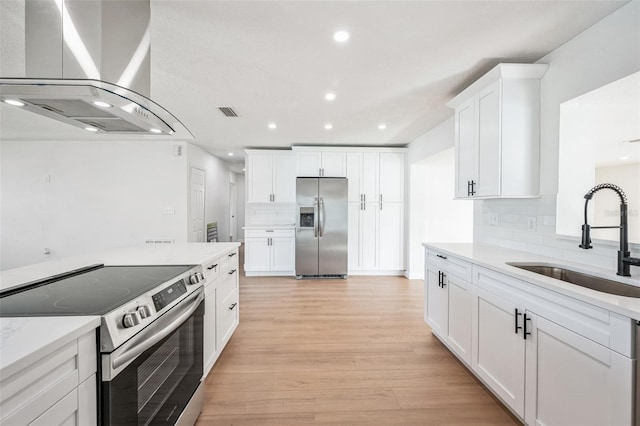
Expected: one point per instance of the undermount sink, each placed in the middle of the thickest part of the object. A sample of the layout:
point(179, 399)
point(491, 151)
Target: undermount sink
point(578, 278)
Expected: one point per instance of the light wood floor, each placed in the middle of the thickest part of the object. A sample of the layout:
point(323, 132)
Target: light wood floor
point(340, 352)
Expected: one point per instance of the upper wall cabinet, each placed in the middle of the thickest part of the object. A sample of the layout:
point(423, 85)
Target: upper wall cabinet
point(497, 133)
point(315, 162)
point(270, 176)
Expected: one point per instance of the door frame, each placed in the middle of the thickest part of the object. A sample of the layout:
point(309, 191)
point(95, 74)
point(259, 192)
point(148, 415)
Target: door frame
point(190, 208)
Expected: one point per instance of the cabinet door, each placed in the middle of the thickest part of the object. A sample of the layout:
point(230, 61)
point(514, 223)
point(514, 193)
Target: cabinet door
point(353, 237)
point(308, 164)
point(571, 380)
point(334, 164)
point(256, 256)
point(435, 302)
point(390, 245)
point(260, 182)
point(283, 252)
point(369, 183)
point(226, 317)
point(354, 174)
point(465, 142)
point(284, 178)
point(458, 330)
point(391, 177)
point(489, 125)
point(498, 352)
point(369, 236)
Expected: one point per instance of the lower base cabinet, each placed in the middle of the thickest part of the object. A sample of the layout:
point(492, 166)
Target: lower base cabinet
point(269, 252)
point(527, 346)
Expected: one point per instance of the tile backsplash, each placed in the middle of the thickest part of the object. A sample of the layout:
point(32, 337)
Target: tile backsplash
point(270, 214)
point(530, 225)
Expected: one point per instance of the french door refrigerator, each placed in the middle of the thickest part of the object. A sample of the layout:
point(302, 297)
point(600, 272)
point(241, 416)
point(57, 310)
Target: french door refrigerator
point(321, 227)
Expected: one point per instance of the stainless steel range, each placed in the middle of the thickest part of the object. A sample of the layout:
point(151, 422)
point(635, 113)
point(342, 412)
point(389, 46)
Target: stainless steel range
point(150, 337)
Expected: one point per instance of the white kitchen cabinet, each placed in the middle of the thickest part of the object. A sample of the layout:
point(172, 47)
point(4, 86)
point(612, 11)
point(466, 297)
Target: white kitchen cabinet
point(210, 349)
point(269, 252)
point(435, 301)
point(58, 388)
point(363, 175)
point(391, 177)
point(362, 236)
point(328, 163)
point(227, 299)
point(390, 244)
point(270, 177)
point(497, 133)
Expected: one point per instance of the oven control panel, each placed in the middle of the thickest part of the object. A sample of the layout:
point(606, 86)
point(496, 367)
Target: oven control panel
point(168, 295)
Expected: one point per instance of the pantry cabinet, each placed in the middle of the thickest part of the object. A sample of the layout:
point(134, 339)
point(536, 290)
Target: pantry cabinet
point(270, 176)
point(269, 252)
point(497, 133)
point(376, 210)
point(551, 359)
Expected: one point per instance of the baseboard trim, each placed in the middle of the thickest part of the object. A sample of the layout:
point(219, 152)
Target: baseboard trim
point(270, 273)
point(388, 273)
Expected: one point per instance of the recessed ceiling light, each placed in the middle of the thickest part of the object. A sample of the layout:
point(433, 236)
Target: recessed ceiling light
point(154, 130)
point(341, 36)
point(272, 125)
point(14, 102)
point(102, 104)
point(330, 96)
point(624, 158)
point(230, 154)
point(244, 170)
point(328, 126)
point(91, 129)
point(382, 126)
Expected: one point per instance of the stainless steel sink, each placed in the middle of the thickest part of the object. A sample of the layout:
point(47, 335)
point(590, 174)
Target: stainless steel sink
point(578, 278)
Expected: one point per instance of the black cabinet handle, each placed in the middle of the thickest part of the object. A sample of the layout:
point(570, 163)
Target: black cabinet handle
point(516, 318)
point(232, 271)
point(233, 306)
point(232, 254)
point(439, 278)
point(444, 277)
point(526, 333)
point(473, 187)
point(441, 256)
point(212, 266)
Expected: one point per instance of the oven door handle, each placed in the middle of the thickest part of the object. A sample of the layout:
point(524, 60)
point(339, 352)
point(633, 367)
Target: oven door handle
point(157, 330)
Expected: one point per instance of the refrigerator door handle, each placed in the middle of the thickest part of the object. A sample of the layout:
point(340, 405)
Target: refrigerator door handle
point(315, 217)
point(321, 217)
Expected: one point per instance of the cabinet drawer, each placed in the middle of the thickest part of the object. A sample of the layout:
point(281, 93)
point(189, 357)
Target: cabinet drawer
point(450, 264)
point(227, 284)
point(270, 233)
point(228, 261)
point(227, 316)
point(211, 270)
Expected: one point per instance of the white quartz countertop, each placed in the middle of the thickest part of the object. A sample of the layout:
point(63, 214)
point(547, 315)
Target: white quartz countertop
point(144, 254)
point(25, 340)
point(263, 227)
point(495, 258)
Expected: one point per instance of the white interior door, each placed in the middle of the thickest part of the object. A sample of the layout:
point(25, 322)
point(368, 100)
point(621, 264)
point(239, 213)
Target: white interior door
point(196, 211)
point(233, 210)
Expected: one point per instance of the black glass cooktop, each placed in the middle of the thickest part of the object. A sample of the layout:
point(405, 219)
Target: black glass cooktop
point(95, 291)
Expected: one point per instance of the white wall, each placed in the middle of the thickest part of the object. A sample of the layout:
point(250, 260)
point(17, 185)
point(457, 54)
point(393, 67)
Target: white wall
point(240, 185)
point(606, 52)
point(218, 176)
point(100, 195)
point(434, 215)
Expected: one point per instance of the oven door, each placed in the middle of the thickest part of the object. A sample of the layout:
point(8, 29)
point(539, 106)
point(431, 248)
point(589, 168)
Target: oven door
point(152, 377)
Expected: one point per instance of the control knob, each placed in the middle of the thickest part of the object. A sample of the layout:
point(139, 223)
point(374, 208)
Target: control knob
point(194, 279)
point(131, 319)
point(145, 311)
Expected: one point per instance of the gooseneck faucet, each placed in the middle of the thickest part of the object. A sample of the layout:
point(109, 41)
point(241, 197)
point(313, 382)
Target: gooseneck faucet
point(624, 256)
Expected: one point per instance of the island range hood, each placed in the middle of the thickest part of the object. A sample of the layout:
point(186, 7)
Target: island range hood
point(87, 64)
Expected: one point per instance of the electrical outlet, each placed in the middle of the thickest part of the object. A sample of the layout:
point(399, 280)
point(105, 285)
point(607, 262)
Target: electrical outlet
point(493, 219)
point(170, 210)
point(47, 179)
point(531, 223)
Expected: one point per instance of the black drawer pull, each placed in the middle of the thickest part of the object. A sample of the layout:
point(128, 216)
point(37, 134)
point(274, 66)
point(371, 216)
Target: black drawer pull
point(526, 333)
point(232, 254)
point(212, 266)
point(233, 306)
point(441, 256)
point(232, 271)
point(516, 318)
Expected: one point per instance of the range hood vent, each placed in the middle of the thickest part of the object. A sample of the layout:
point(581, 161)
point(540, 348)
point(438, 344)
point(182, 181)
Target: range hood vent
point(93, 105)
point(228, 111)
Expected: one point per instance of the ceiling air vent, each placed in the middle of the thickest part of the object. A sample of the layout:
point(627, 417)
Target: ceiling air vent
point(228, 111)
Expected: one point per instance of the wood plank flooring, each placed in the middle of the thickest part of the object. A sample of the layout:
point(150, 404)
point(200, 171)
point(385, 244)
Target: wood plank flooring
point(330, 352)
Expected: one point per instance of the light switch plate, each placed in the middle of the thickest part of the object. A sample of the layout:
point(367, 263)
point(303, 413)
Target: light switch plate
point(493, 218)
point(531, 223)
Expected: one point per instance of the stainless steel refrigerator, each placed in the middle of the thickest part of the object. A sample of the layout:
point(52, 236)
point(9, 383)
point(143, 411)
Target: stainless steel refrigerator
point(321, 227)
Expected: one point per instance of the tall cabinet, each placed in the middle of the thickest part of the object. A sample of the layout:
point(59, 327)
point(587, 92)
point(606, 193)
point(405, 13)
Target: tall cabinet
point(376, 210)
point(497, 133)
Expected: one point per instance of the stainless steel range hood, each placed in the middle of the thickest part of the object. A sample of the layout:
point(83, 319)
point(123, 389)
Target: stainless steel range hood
point(93, 105)
point(70, 51)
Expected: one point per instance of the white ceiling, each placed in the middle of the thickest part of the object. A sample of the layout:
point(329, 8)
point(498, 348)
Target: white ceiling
point(273, 61)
